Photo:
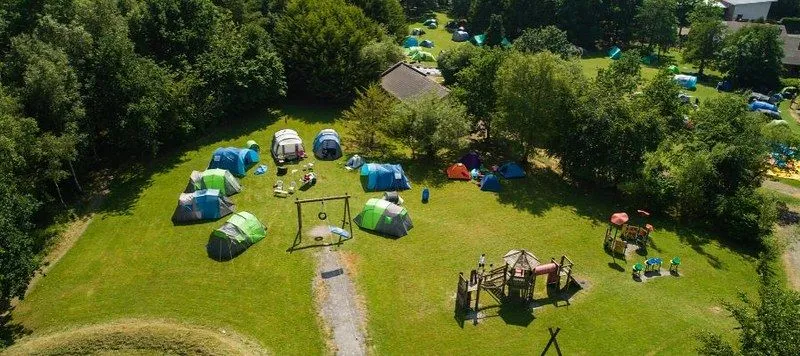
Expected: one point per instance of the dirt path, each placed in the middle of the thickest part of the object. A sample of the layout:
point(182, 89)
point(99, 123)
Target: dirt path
point(791, 258)
point(781, 188)
point(339, 304)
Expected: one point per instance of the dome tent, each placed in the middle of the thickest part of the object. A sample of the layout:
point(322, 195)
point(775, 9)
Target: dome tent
point(354, 162)
point(761, 105)
point(458, 171)
point(490, 183)
point(287, 145)
point(686, 81)
point(216, 178)
point(240, 232)
point(202, 205)
point(426, 44)
point(384, 217)
point(234, 160)
point(511, 170)
point(383, 177)
point(472, 160)
point(460, 36)
point(253, 145)
point(410, 41)
point(327, 145)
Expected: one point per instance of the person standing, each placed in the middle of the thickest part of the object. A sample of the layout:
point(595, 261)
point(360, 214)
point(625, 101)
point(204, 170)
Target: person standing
point(482, 261)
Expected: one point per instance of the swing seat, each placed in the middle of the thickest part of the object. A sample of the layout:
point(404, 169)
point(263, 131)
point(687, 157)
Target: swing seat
point(339, 231)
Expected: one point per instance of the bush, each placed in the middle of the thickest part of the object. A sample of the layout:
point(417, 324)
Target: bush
point(455, 60)
point(428, 124)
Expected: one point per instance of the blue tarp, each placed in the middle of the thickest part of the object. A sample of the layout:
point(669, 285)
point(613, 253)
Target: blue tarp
point(327, 145)
point(234, 160)
point(383, 177)
point(511, 170)
point(686, 81)
point(491, 183)
point(760, 105)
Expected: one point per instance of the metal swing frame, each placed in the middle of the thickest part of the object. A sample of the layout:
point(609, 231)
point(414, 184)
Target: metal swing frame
point(347, 220)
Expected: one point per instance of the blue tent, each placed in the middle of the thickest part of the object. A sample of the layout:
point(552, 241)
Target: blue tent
point(383, 177)
point(511, 170)
point(490, 183)
point(760, 105)
point(614, 53)
point(202, 205)
point(410, 41)
point(686, 81)
point(426, 44)
point(327, 145)
point(472, 160)
point(234, 160)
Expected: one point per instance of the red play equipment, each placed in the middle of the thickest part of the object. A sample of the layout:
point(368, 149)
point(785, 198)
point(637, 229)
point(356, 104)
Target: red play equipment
point(620, 233)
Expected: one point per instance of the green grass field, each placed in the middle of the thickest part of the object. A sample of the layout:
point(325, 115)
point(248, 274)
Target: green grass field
point(133, 263)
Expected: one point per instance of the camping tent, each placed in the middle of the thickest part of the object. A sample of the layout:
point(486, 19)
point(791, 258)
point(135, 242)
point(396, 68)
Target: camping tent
point(422, 56)
point(234, 160)
point(458, 171)
point(511, 170)
point(410, 41)
point(327, 145)
point(472, 160)
point(426, 44)
point(218, 179)
point(241, 231)
point(384, 217)
point(429, 21)
point(417, 32)
point(760, 105)
point(383, 177)
point(480, 40)
point(354, 162)
point(505, 43)
point(491, 183)
point(686, 81)
point(778, 123)
point(614, 53)
point(674, 69)
point(202, 205)
point(287, 145)
point(460, 36)
point(253, 145)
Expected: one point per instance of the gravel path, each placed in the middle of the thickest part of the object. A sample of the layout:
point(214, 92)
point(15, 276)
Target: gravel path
point(339, 306)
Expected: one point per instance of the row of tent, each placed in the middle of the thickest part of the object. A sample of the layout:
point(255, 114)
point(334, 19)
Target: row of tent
point(288, 146)
point(470, 166)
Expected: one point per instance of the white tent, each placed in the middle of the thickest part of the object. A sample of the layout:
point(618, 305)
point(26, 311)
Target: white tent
point(287, 145)
point(354, 162)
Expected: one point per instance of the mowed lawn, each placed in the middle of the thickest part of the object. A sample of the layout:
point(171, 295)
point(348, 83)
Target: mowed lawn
point(133, 263)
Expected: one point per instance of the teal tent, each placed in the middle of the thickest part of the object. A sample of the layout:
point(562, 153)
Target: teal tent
point(410, 41)
point(614, 53)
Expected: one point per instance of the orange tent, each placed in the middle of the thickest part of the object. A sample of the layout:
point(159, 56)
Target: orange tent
point(458, 171)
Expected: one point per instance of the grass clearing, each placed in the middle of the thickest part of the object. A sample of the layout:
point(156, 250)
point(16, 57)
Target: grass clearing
point(133, 263)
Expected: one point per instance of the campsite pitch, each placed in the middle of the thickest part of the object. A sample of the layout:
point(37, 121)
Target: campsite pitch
point(132, 262)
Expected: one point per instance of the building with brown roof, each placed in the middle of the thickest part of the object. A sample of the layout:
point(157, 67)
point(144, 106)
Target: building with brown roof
point(405, 82)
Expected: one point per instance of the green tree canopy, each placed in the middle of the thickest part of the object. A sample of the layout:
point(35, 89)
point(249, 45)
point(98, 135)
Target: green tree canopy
point(428, 124)
point(496, 32)
point(656, 24)
point(389, 13)
point(548, 38)
point(752, 57)
point(476, 88)
point(455, 60)
point(704, 43)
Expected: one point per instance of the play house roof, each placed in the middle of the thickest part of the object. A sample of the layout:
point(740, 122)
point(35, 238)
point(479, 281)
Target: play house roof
point(521, 259)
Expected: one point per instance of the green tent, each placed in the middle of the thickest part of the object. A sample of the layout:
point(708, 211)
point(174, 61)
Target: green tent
point(422, 56)
point(480, 40)
point(240, 232)
point(253, 145)
point(384, 217)
point(674, 69)
point(216, 178)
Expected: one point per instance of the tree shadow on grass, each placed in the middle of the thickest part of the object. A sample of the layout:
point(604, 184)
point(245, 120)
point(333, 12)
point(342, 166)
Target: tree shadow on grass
point(10, 330)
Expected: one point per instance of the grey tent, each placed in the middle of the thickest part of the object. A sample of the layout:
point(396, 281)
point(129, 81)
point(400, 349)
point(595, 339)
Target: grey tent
point(206, 204)
point(218, 179)
point(460, 36)
point(393, 197)
point(384, 217)
point(354, 162)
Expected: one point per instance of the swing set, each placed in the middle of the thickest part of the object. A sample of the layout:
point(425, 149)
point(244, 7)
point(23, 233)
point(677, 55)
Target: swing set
point(343, 232)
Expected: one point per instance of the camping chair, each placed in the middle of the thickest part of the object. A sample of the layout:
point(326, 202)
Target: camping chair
point(673, 264)
point(636, 270)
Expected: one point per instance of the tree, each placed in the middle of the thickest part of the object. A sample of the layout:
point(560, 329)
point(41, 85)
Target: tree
point(414, 8)
point(428, 124)
point(455, 60)
point(460, 9)
point(386, 12)
point(480, 14)
point(584, 30)
point(784, 8)
point(682, 10)
point(704, 44)
point(476, 88)
point(656, 23)
point(704, 11)
point(548, 38)
point(377, 56)
point(320, 42)
point(616, 20)
point(534, 92)
point(752, 57)
point(524, 14)
point(367, 118)
point(495, 33)
point(174, 31)
point(767, 326)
